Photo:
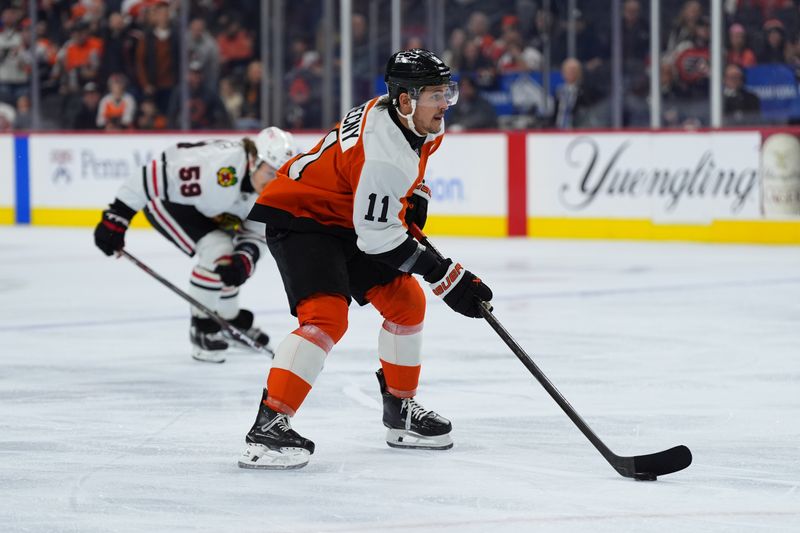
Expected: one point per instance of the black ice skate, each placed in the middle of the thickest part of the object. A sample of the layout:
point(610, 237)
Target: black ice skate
point(208, 342)
point(273, 444)
point(244, 323)
point(410, 425)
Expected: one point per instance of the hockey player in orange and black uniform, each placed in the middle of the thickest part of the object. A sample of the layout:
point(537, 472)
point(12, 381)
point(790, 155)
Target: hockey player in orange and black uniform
point(337, 219)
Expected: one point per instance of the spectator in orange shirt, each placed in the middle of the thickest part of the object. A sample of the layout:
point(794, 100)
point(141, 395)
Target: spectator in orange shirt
point(46, 49)
point(117, 108)
point(235, 47)
point(78, 60)
point(478, 30)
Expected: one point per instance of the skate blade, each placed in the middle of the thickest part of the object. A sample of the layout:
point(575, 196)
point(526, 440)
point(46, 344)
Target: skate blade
point(205, 356)
point(400, 438)
point(257, 456)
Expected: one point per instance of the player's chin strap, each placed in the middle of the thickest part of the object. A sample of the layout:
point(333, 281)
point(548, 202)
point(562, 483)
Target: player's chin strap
point(410, 117)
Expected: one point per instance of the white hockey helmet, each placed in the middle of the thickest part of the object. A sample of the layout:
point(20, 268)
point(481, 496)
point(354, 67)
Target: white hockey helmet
point(274, 147)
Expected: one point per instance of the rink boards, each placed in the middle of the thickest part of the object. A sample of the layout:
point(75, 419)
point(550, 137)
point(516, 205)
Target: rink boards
point(722, 186)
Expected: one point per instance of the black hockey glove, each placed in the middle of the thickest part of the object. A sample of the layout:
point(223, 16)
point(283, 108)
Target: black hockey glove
point(109, 235)
point(459, 288)
point(234, 269)
point(417, 210)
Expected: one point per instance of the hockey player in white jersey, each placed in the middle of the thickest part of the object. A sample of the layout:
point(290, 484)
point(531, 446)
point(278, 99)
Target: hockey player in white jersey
point(198, 196)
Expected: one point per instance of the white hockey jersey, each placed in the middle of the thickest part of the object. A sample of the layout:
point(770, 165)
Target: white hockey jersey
point(358, 176)
point(207, 175)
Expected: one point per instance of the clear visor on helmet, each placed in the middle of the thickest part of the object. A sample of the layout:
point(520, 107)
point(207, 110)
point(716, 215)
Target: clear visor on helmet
point(435, 95)
point(271, 171)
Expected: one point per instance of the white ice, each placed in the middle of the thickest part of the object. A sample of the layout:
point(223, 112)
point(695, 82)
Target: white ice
point(107, 424)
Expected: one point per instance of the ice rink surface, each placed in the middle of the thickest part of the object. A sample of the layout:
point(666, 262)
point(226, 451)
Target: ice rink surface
point(107, 424)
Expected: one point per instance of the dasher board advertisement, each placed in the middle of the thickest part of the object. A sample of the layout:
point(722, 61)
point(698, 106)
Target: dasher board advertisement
point(468, 175)
point(780, 177)
point(663, 177)
point(85, 171)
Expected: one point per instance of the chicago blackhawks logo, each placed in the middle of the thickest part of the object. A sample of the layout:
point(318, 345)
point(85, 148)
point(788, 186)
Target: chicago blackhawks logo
point(226, 176)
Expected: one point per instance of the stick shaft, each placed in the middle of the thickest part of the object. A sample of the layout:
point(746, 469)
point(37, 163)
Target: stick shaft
point(526, 360)
point(224, 324)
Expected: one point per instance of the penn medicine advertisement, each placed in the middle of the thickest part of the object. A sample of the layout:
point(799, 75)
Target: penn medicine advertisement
point(85, 171)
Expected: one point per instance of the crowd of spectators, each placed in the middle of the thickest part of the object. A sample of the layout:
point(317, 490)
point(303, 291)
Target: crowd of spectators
point(114, 64)
point(486, 49)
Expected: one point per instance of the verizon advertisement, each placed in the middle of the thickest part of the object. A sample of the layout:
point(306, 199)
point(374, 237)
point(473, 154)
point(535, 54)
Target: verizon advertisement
point(664, 177)
point(468, 175)
point(7, 171)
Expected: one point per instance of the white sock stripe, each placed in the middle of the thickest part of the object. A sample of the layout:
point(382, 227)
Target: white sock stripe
point(204, 292)
point(316, 335)
point(205, 287)
point(228, 306)
point(401, 350)
point(230, 292)
point(399, 329)
point(204, 278)
point(301, 357)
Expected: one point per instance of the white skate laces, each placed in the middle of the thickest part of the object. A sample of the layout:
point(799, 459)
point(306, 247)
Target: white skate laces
point(282, 421)
point(413, 411)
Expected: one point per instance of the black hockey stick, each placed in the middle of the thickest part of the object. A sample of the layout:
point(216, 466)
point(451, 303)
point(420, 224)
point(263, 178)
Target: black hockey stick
point(235, 332)
point(639, 467)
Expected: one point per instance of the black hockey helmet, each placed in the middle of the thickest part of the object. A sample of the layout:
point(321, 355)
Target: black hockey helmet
point(413, 69)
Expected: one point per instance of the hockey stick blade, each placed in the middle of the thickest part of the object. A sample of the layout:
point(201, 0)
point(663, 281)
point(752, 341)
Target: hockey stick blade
point(649, 467)
point(639, 467)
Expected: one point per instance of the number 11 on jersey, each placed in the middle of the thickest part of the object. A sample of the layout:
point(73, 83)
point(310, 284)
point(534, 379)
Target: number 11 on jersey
point(371, 209)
